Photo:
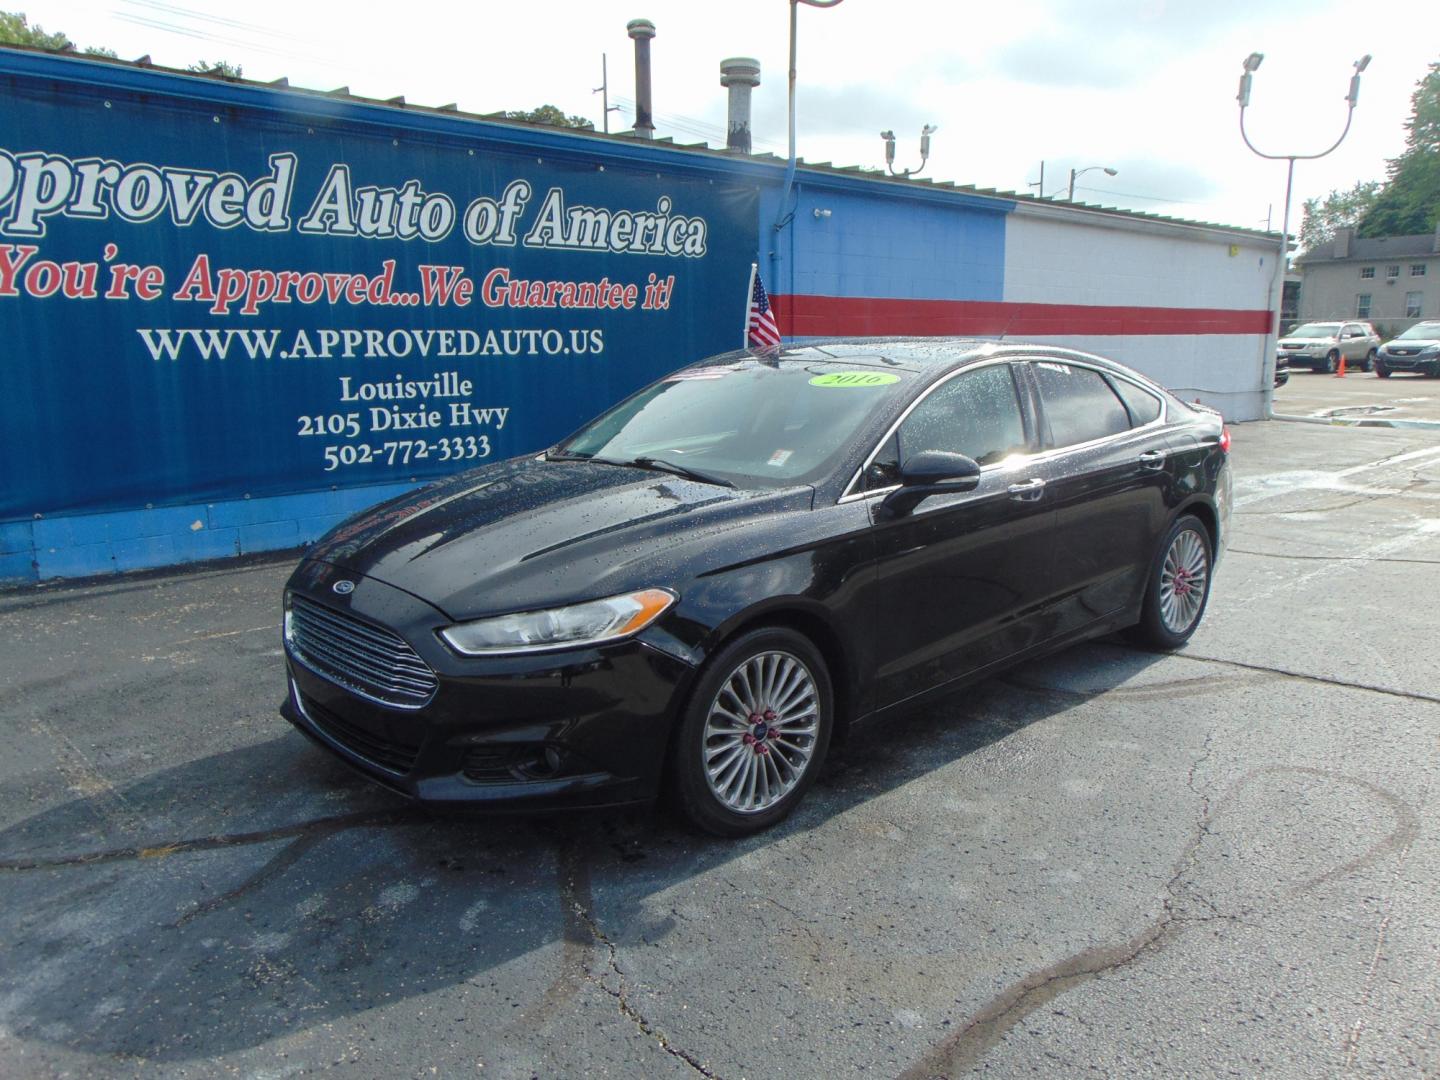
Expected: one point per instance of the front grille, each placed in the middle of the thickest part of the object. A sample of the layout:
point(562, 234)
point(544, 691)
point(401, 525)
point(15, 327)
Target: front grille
point(369, 660)
point(394, 756)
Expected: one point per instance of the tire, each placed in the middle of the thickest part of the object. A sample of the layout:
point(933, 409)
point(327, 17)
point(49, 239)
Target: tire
point(1369, 361)
point(1332, 363)
point(1167, 617)
point(1381, 371)
point(720, 772)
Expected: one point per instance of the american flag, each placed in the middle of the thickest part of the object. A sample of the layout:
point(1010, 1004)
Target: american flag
point(760, 329)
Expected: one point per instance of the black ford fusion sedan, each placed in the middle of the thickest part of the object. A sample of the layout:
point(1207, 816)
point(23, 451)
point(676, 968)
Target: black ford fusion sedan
point(700, 590)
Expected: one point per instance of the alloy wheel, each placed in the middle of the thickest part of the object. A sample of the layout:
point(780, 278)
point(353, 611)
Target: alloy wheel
point(1183, 580)
point(761, 731)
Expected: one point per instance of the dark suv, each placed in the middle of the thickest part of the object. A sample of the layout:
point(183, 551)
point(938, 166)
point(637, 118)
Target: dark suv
point(1417, 349)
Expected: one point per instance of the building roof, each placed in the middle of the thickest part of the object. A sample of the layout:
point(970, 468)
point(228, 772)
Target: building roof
point(1373, 249)
point(857, 172)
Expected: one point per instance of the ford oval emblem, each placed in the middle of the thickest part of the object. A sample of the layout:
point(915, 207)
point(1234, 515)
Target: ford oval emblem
point(344, 588)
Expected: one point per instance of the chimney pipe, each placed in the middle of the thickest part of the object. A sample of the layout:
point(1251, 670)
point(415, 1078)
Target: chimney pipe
point(641, 31)
point(1342, 242)
point(740, 74)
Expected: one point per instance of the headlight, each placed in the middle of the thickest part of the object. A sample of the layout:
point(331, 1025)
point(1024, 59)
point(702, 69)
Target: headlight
point(579, 624)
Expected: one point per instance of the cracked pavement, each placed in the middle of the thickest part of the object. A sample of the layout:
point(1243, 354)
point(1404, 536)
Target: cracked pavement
point(1221, 862)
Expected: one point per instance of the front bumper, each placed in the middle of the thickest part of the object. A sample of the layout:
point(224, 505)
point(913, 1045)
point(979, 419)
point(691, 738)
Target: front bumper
point(1430, 365)
point(1312, 358)
point(563, 730)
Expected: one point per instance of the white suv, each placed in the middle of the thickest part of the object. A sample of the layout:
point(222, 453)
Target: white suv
point(1319, 345)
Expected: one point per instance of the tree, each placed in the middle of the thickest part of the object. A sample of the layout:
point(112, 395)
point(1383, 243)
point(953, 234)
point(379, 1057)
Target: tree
point(1410, 203)
point(15, 29)
point(1338, 210)
point(549, 114)
point(222, 67)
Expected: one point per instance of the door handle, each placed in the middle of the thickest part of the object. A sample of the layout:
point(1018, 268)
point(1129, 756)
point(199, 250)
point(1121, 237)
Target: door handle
point(1027, 490)
point(1152, 459)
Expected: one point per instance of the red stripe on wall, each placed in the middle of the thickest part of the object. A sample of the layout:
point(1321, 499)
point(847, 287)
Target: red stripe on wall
point(840, 316)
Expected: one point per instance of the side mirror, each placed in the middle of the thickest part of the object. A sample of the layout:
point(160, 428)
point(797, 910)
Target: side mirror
point(930, 472)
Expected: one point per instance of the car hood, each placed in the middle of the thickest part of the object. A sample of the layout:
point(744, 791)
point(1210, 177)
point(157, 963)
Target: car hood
point(530, 533)
point(1307, 341)
point(1413, 343)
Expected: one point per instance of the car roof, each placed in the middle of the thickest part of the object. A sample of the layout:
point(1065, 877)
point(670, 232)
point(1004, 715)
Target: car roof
point(924, 355)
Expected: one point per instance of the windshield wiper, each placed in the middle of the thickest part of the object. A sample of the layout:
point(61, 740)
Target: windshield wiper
point(661, 465)
point(566, 455)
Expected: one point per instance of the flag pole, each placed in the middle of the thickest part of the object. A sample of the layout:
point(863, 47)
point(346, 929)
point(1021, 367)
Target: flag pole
point(749, 297)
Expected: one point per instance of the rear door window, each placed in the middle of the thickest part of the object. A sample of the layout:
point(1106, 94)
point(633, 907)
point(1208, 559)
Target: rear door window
point(1144, 406)
point(1078, 403)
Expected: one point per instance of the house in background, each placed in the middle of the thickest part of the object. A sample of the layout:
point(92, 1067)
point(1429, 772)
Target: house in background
point(1390, 281)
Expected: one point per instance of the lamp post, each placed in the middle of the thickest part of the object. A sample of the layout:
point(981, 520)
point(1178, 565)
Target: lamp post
point(783, 213)
point(1081, 172)
point(1277, 281)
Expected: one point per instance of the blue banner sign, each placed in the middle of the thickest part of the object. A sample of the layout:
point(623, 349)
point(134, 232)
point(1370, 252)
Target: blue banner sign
point(199, 305)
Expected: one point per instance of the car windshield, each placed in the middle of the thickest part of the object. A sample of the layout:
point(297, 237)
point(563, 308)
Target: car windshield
point(1425, 331)
point(1316, 330)
point(753, 423)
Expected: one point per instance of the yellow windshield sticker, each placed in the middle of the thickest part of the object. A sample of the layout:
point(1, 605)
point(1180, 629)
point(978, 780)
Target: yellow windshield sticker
point(855, 378)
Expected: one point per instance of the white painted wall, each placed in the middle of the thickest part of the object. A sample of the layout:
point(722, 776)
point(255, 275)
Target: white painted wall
point(1059, 255)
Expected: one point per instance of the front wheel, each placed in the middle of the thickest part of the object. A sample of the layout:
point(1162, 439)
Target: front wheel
point(754, 733)
point(1332, 363)
point(1179, 586)
point(1381, 371)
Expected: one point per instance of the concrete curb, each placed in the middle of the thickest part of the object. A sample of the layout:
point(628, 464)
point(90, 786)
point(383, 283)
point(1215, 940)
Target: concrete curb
point(1343, 421)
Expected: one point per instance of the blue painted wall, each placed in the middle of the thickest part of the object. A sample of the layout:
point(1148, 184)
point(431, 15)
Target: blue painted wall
point(886, 241)
point(183, 492)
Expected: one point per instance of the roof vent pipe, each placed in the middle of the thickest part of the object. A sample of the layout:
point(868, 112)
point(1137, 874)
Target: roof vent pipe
point(741, 74)
point(641, 31)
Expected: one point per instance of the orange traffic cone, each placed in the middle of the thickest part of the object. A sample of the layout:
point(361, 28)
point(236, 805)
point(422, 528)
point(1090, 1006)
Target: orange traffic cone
point(1340, 372)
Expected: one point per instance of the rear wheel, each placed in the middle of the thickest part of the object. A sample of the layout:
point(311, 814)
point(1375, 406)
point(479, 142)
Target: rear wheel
point(1179, 586)
point(754, 733)
point(1369, 361)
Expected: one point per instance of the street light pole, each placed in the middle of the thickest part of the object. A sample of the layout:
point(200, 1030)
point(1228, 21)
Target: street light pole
point(604, 90)
point(782, 212)
point(1277, 280)
point(1081, 172)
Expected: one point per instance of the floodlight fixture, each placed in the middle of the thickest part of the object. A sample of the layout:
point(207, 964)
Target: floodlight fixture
point(925, 133)
point(889, 137)
point(1353, 97)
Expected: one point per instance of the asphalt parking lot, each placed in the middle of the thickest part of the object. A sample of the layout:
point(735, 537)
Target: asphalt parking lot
point(1218, 863)
point(1360, 397)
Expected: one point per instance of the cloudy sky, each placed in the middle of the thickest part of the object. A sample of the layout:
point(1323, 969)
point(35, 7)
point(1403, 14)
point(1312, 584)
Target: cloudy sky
point(1146, 87)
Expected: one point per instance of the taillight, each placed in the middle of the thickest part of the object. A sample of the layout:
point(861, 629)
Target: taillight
point(1224, 440)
